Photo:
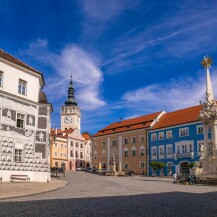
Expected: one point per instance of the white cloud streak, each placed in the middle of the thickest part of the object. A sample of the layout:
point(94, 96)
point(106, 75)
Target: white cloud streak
point(176, 94)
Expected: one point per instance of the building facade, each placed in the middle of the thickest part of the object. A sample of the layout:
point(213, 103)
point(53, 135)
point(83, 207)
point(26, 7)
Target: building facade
point(176, 140)
point(59, 148)
point(24, 121)
point(126, 142)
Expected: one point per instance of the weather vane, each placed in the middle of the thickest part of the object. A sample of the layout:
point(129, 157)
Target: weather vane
point(206, 62)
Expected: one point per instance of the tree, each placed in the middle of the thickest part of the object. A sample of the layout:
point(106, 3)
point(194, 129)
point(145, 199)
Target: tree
point(155, 165)
point(191, 165)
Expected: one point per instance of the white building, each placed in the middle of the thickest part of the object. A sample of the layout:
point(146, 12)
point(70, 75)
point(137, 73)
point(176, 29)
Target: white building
point(24, 121)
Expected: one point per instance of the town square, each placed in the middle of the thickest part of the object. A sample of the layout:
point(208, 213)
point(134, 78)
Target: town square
point(108, 108)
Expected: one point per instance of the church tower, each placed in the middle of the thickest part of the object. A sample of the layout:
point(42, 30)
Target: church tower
point(70, 113)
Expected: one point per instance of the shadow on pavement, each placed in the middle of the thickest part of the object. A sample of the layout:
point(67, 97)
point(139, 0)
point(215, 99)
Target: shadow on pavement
point(173, 204)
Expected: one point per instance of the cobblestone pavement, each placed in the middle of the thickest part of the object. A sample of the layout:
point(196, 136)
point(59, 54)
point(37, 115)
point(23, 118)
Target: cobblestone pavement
point(92, 195)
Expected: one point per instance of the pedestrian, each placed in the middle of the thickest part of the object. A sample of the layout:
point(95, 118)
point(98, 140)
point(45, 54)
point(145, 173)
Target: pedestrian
point(175, 178)
point(133, 173)
point(194, 179)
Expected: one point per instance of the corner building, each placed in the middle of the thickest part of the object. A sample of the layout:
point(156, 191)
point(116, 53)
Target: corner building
point(176, 140)
point(24, 121)
point(126, 141)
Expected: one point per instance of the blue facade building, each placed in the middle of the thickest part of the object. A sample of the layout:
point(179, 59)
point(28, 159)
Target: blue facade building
point(175, 139)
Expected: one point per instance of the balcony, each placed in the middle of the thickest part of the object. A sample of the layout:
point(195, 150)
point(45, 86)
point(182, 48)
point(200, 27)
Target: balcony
point(188, 154)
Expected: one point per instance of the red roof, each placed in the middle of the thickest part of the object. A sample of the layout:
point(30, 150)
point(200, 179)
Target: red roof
point(127, 125)
point(10, 58)
point(61, 133)
point(86, 136)
point(182, 116)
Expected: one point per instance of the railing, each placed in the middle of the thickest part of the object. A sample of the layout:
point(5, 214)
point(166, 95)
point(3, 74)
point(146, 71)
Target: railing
point(188, 154)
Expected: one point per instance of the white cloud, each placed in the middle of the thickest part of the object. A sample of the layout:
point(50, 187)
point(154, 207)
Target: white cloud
point(105, 10)
point(176, 94)
point(72, 60)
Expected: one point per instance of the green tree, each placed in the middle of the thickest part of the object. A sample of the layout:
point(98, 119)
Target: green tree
point(155, 165)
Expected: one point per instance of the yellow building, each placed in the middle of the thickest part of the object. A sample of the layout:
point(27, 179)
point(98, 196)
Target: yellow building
point(59, 148)
point(124, 141)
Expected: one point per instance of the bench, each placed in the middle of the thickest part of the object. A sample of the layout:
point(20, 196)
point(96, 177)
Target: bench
point(20, 177)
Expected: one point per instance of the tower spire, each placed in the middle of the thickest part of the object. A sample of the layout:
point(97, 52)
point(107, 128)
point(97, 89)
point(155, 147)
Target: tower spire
point(206, 62)
point(71, 98)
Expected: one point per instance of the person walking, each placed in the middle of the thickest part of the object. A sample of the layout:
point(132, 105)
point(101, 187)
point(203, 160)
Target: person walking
point(175, 178)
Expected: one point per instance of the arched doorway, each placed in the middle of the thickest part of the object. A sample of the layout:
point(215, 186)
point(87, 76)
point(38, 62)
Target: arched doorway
point(56, 164)
point(70, 165)
point(63, 165)
point(169, 169)
point(184, 168)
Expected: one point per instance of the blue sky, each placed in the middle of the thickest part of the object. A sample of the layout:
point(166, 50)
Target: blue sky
point(127, 58)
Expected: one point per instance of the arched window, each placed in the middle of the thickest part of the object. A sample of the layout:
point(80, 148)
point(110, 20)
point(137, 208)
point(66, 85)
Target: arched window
point(125, 152)
point(95, 154)
point(133, 151)
point(103, 153)
point(142, 150)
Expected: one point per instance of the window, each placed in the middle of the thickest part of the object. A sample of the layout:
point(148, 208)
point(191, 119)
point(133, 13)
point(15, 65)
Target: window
point(169, 150)
point(161, 135)
point(81, 155)
point(95, 145)
point(154, 152)
point(22, 87)
point(184, 148)
point(20, 120)
point(64, 155)
point(134, 152)
point(190, 148)
point(18, 155)
point(153, 137)
point(1, 79)
point(125, 165)
point(199, 129)
point(61, 145)
point(125, 153)
point(169, 134)
point(61, 155)
point(125, 141)
point(103, 154)
point(142, 138)
point(133, 139)
point(55, 153)
point(103, 144)
point(55, 144)
point(142, 164)
point(65, 146)
point(76, 144)
point(71, 144)
point(76, 154)
point(183, 132)
point(114, 142)
point(71, 153)
point(161, 151)
point(142, 152)
point(81, 145)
